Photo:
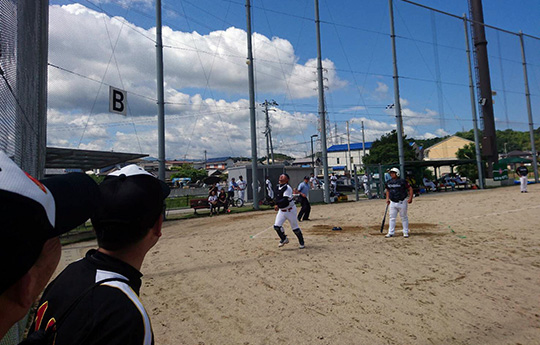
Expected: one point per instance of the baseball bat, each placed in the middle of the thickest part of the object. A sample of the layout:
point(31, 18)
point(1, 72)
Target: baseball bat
point(384, 218)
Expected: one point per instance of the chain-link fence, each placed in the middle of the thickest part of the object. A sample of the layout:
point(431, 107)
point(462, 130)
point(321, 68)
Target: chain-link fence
point(23, 84)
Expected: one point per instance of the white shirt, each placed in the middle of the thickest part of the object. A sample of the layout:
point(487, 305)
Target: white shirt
point(241, 184)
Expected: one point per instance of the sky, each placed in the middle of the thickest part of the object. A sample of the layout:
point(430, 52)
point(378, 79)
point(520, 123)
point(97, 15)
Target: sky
point(94, 44)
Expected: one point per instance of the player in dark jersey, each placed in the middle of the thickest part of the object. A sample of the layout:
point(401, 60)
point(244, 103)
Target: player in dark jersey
point(83, 304)
point(522, 172)
point(398, 195)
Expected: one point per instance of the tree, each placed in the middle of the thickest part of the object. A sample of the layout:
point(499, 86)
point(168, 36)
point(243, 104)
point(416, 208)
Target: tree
point(187, 170)
point(385, 150)
point(468, 170)
point(513, 140)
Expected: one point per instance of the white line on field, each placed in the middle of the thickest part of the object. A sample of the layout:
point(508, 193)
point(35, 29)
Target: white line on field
point(265, 230)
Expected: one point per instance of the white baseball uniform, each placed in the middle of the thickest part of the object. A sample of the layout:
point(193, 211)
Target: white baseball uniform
point(289, 212)
point(242, 184)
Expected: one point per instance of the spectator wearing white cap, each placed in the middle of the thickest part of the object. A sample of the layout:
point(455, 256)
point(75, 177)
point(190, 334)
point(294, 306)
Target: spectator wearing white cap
point(34, 213)
point(100, 292)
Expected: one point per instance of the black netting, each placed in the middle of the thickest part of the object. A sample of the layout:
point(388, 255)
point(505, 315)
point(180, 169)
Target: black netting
point(23, 56)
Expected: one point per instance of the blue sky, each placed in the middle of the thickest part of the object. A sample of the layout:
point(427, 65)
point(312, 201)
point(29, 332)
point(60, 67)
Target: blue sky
point(206, 75)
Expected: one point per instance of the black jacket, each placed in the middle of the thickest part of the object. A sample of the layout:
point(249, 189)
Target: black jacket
point(108, 314)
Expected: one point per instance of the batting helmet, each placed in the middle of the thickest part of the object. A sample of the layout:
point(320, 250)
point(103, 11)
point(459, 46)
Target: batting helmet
point(395, 170)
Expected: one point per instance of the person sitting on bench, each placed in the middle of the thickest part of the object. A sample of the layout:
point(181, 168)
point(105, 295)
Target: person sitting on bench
point(213, 201)
point(223, 201)
point(429, 184)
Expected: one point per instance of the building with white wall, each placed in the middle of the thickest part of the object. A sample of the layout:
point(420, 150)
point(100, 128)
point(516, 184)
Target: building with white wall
point(337, 155)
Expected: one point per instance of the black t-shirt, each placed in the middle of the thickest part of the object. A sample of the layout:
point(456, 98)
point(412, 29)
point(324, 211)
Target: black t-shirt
point(522, 171)
point(397, 189)
point(108, 314)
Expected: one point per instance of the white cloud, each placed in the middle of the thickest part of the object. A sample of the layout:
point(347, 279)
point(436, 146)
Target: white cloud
point(352, 109)
point(381, 91)
point(208, 64)
point(441, 132)
point(191, 60)
point(220, 127)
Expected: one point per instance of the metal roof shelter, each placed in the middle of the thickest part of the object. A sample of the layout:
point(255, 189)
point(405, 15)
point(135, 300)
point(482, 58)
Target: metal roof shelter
point(61, 158)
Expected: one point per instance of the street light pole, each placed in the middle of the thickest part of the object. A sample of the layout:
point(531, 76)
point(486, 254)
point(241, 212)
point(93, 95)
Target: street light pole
point(312, 157)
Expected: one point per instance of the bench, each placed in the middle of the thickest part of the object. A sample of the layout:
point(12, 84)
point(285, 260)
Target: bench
point(197, 204)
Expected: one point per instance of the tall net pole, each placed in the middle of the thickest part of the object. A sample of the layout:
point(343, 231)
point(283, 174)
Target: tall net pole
point(473, 108)
point(397, 103)
point(529, 109)
point(322, 113)
point(160, 96)
point(252, 119)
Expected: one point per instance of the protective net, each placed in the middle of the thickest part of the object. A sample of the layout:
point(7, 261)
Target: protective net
point(23, 58)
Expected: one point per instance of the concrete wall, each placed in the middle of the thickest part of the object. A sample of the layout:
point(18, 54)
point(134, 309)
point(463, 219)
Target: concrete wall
point(342, 155)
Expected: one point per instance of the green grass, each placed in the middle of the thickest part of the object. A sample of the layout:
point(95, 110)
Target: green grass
point(204, 213)
point(81, 233)
point(181, 201)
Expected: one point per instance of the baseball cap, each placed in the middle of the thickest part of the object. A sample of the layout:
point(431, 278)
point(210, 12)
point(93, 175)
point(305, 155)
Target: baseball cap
point(130, 196)
point(34, 211)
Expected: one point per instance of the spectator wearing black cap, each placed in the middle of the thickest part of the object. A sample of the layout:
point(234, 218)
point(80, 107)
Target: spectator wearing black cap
point(33, 214)
point(303, 190)
point(101, 290)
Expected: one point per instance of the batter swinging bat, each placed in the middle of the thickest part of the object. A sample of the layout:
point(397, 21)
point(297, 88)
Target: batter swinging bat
point(384, 218)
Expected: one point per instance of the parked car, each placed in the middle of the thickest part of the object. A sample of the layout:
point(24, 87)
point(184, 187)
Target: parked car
point(342, 187)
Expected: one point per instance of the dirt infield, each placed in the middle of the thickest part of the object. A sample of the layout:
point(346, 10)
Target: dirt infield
point(468, 274)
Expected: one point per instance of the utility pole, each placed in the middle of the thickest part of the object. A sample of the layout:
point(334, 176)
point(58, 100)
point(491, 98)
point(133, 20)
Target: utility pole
point(268, 130)
point(322, 113)
point(473, 109)
point(253, 122)
point(348, 148)
point(363, 145)
point(312, 155)
point(397, 102)
point(205, 159)
point(160, 96)
point(529, 110)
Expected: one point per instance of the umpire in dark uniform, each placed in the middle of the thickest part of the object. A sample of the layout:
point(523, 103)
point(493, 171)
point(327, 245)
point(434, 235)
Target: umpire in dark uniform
point(303, 191)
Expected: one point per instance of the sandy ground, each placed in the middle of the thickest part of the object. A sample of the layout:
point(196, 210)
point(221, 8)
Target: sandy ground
point(469, 274)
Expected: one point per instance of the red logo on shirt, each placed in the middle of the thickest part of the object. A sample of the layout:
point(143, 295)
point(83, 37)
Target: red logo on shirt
point(39, 184)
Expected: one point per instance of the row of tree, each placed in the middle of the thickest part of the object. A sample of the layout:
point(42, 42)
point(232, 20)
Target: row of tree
point(385, 149)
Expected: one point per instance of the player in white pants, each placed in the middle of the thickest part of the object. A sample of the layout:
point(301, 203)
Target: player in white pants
point(397, 191)
point(286, 210)
point(523, 172)
point(241, 188)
